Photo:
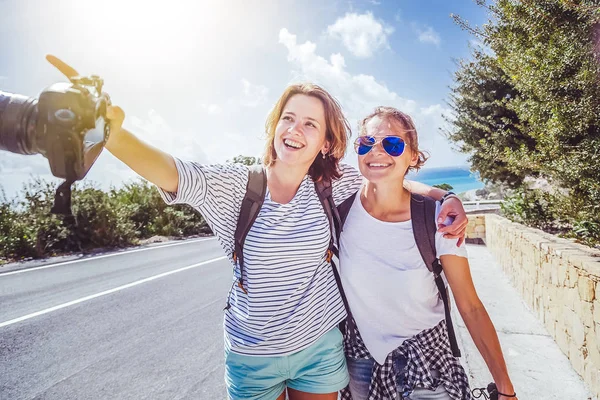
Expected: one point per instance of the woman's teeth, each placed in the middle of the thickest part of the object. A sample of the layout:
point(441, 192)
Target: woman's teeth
point(293, 143)
point(378, 165)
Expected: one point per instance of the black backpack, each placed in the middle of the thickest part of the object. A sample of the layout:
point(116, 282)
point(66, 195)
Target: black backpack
point(252, 203)
point(423, 223)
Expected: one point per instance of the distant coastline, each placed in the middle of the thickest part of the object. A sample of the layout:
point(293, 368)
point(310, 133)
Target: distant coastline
point(459, 177)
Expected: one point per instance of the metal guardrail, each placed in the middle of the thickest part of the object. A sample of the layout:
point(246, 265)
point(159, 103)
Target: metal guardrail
point(477, 202)
point(482, 205)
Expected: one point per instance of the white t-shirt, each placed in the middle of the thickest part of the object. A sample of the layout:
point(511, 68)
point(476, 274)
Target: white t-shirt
point(390, 291)
point(292, 296)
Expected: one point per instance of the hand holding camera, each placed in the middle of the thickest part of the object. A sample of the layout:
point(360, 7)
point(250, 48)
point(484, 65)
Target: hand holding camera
point(68, 124)
point(114, 115)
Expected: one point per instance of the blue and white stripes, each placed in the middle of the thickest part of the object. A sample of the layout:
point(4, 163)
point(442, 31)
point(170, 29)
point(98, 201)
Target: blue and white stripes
point(292, 296)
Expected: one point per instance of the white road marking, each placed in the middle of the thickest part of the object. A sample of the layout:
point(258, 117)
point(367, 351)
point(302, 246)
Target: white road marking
point(93, 296)
point(102, 256)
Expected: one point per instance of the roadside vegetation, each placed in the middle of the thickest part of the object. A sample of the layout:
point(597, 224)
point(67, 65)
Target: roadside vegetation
point(102, 220)
point(526, 108)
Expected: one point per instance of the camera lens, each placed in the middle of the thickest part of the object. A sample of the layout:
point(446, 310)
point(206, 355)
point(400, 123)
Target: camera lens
point(18, 124)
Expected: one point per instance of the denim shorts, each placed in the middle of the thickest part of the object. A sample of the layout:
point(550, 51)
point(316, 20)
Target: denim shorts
point(360, 379)
point(320, 368)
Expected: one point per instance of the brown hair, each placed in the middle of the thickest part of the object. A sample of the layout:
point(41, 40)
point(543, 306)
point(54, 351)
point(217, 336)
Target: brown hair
point(392, 114)
point(337, 131)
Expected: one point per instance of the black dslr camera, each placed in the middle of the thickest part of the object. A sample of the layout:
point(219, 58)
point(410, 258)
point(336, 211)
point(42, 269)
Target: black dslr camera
point(67, 125)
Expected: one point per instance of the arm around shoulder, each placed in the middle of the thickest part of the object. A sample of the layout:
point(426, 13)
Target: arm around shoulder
point(347, 185)
point(424, 190)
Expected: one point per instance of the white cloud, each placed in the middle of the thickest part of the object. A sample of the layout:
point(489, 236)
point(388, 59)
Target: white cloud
point(359, 94)
point(212, 109)
point(3, 78)
point(429, 35)
point(229, 144)
point(17, 170)
point(375, 2)
point(361, 34)
point(201, 144)
point(155, 130)
point(26, 164)
point(253, 95)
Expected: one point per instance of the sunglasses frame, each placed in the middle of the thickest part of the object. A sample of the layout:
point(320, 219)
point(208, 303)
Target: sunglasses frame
point(357, 144)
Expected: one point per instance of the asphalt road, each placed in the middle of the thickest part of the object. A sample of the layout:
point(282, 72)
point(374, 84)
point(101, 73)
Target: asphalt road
point(143, 324)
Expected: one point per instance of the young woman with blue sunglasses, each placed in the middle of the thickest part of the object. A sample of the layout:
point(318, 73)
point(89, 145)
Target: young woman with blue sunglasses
point(399, 346)
point(281, 333)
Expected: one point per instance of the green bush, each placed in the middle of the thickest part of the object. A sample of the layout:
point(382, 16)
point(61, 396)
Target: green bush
point(143, 205)
point(528, 106)
point(100, 221)
point(117, 218)
point(151, 216)
point(587, 231)
point(17, 239)
point(444, 186)
point(531, 207)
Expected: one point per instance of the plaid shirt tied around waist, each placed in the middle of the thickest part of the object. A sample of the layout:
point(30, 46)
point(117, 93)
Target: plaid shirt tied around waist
point(428, 350)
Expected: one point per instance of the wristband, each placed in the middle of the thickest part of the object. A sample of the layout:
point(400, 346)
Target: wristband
point(490, 393)
point(448, 195)
point(507, 395)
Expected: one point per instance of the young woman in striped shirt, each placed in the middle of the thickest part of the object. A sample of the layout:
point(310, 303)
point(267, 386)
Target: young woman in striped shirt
point(281, 336)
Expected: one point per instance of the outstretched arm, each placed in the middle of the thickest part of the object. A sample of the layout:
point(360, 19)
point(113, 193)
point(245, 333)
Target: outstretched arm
point(151, 163)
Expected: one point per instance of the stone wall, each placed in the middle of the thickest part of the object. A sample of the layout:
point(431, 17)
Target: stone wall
point(560, 281)
point(476, 227)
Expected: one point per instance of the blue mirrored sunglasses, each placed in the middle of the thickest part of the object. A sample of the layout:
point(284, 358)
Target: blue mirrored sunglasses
point(393, 145)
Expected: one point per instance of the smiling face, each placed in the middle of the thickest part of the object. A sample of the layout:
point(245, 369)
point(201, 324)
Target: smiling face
point(305, 121)
point(300, 131)
point(377, 166)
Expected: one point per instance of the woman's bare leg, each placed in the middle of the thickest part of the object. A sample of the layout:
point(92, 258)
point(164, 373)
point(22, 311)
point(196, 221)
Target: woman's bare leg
point(297, 395)
point(281, 396)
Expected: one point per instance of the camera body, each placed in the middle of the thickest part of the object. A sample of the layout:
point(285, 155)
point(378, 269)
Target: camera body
point(67, 125)
point(72, 121)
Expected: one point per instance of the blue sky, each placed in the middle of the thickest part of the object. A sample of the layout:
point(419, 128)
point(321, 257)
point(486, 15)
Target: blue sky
point(197, 78)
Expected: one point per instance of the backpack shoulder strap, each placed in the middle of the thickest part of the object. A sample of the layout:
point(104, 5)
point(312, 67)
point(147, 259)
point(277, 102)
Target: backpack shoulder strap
point(251, 205)
point(344, 209)
point(325, 193)
point(422, 214)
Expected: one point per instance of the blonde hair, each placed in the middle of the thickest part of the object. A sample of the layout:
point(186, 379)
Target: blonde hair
point(392, 114)
point(337, 131)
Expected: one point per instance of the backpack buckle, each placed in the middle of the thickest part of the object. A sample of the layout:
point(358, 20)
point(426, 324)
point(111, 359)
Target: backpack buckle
point(437, 267)
point(241, 286)
point(329, 255)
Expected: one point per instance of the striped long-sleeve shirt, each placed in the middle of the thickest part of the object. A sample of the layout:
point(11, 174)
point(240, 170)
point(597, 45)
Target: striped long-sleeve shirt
point(292, 296)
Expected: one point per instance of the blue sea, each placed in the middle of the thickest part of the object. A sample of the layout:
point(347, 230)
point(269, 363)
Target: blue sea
point(460, 178)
